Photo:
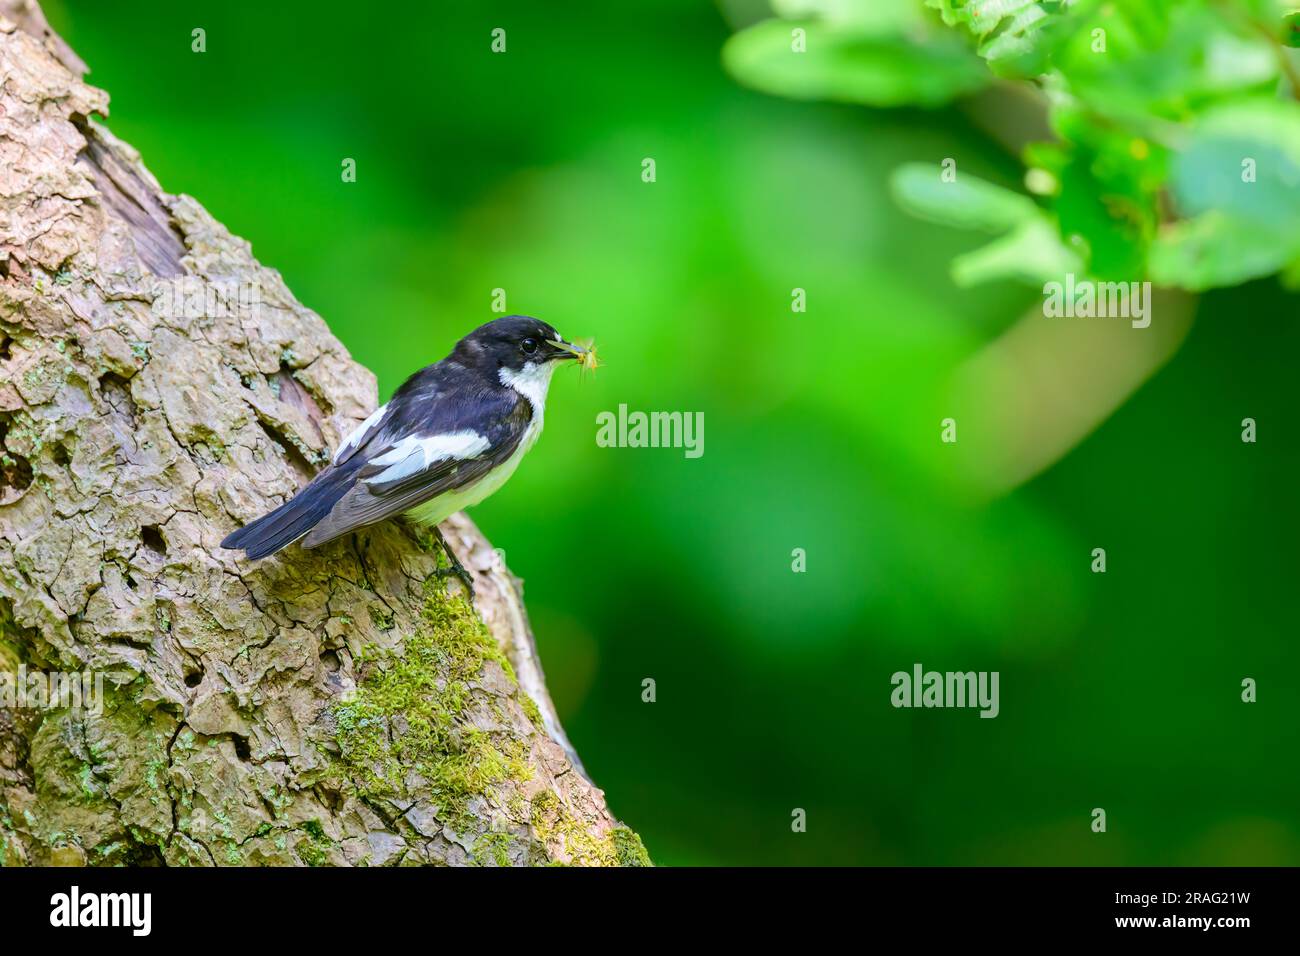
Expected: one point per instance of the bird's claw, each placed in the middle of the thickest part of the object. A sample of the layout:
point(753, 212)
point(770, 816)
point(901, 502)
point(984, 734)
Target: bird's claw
point(462, 575)
point(456, 568)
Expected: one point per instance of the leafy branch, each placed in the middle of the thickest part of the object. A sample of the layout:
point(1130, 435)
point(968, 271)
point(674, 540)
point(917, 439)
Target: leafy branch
point(1175, 149)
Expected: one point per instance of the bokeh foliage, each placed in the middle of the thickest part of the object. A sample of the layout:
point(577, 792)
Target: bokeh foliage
point(1154, 107)
point(522, 171)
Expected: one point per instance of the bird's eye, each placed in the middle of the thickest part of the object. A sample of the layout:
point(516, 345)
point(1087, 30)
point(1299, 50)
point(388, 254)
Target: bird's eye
point(529, 346)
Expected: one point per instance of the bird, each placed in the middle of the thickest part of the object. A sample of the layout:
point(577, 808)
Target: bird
point(451, 435)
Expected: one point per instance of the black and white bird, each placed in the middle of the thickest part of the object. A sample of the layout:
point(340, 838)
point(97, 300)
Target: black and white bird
point(449, 437)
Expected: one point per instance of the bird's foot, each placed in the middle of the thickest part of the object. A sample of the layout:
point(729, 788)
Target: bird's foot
point(456, 568)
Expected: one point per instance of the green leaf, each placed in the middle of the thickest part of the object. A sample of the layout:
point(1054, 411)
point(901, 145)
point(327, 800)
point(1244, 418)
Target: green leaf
point(1031, 249)
point(1017, 39)
point(1237, 183)
point(966, 203)
point(877, 18)
point(1109, 186)
point(1291, 29)
point(925, 68)
point(1032, 253)
point(1215, 250)
point(1136, 62)
point(1015, 36)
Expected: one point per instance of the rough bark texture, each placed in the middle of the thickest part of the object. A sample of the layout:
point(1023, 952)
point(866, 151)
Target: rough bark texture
point(338, 706)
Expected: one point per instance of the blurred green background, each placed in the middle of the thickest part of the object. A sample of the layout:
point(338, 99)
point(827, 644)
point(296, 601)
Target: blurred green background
point(523, 172)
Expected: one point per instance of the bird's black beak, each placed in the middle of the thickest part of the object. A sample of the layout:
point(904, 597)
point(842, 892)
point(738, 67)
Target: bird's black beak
point(561, 349)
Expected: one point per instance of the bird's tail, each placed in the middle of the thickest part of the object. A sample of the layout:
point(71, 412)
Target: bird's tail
point(286, 524)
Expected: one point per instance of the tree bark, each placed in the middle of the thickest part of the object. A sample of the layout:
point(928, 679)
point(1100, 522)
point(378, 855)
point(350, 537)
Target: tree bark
point(158, 388)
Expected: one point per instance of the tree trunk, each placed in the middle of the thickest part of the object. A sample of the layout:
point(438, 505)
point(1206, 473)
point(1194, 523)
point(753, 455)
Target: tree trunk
point(158, 388)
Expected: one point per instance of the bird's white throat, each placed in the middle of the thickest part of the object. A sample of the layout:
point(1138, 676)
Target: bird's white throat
point(531, 381)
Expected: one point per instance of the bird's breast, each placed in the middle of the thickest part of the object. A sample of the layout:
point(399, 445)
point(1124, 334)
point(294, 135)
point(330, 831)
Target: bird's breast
point(438, 509)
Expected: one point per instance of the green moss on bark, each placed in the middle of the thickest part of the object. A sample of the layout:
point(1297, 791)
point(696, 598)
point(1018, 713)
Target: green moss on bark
point(432, 719)
point(570, 841)
point(416, 713)
point(628, 848)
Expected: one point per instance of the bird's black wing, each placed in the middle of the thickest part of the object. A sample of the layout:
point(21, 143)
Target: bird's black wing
point(435, 436)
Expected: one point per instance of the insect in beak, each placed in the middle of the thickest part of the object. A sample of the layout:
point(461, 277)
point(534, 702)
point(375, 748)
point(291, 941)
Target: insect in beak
point(585, 354)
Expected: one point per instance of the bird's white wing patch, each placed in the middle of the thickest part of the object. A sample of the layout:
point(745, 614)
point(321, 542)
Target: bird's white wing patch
point(415, 454)
point(358, 434)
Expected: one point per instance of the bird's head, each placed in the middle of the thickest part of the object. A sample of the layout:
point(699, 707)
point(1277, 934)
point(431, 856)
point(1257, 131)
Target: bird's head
point(517, 344)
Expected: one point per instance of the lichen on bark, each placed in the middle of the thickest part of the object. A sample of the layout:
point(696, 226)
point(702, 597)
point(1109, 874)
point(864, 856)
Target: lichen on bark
point(159, 387)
